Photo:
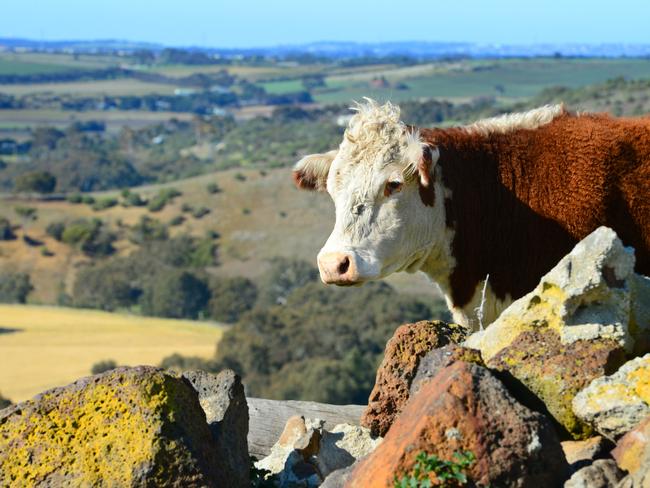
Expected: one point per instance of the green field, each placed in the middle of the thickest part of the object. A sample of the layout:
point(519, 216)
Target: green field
point(44, 347)
point(506, 79)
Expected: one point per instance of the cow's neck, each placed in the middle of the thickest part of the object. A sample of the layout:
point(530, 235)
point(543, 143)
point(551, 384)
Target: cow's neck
point(468, 250)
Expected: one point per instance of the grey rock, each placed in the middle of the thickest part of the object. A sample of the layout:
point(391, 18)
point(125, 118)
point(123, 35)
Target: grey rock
point(588, 295)
point(603, 473)
point(338, 478)
point(343, 445)
point(617, 403)
point(223, 400)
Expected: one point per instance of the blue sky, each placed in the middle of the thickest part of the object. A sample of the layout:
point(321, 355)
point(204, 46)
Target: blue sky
point(263, 23)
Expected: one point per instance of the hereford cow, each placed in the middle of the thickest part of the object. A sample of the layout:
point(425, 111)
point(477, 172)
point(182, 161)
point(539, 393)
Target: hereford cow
point(494, 205)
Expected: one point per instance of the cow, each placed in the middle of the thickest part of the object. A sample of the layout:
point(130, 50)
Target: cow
point(485, 209)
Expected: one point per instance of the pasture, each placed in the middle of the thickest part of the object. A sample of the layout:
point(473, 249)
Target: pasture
point(505, 79)
point(121, 86)
point(44, 347)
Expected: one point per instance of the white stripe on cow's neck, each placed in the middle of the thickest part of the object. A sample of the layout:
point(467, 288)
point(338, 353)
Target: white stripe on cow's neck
point(506, 123)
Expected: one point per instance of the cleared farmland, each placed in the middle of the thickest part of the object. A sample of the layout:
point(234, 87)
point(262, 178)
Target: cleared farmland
point(44, 347)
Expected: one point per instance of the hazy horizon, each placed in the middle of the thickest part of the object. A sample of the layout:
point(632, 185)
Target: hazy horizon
point(287, 22)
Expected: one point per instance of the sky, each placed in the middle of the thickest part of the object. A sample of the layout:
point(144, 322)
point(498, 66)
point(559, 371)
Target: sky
point(251, 23)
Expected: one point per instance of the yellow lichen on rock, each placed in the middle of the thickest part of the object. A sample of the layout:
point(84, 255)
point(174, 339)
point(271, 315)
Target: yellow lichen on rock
point(615, 404)
point(123, 428)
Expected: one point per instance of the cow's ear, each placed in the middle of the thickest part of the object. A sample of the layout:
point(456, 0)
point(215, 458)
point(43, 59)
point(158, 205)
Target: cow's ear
point(310, 173)
point(426, 174)
point(426, 165)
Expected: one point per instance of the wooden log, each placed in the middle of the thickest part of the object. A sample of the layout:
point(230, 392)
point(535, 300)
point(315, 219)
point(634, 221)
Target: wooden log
point(268, 417)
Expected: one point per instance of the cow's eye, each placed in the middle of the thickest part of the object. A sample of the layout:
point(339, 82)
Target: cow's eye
point(392, 187)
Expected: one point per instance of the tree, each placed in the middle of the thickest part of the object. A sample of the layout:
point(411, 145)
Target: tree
point(6, 230)
point(176, 294)
point(14, 287)
point(36, 181)
point(231, 297)
point(284, 276)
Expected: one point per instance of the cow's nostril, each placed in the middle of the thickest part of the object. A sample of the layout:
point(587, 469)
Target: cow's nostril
point(344, 266)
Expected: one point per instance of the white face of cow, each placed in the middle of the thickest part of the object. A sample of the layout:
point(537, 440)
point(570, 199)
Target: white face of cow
point(389, 210)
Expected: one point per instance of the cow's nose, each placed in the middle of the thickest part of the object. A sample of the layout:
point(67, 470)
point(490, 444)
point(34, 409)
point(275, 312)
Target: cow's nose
point(337, 268)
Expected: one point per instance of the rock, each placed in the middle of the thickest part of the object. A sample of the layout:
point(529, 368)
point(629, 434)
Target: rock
point(127, 427)
point(465, 408)
point(436, 360)
point(223, 400)
point(616, 404)
point(306, 453)
point(555, 372)
point(267, 419)
point(586, 296)
point(403, 353)
point(343, 445)
point(582, 453)
point(603, 473)
point(632, 447)
point(339, 478)
point(640, 314)
point(294, 431)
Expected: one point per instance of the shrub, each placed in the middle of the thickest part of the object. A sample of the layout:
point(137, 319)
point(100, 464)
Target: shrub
point(162, 198)
point(88, 199)
point(240, 177)
point(103, 366)
point(55, 230)
point(213, 188)
point(6, 230)
point(74, 198)
point(181, 363)
point(14, 287)
point(231, 297)
point(147, 230)
point(131, 199)
point(36, 181)
point(26, 213)
point(200, 212)
point(186, 207)
point(45, 252)
point(204, 253)
point(104, 203)
point(4, 402)
point(90, 236)
point(178, 220)
point(430, 470)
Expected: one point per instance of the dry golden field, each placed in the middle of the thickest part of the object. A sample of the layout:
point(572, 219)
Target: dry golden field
point(53, 346)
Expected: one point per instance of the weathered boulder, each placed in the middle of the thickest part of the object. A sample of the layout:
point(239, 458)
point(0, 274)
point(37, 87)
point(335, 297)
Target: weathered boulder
point(438, 359)
point(586, 296)
point(127, 427)
point(465, 408)
point(577, 325)
point(409, 344)
point(223, 400)
point(555, 372)
point(633, 447)
point(616, 404)
point(603, 473)
point(306, 453)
